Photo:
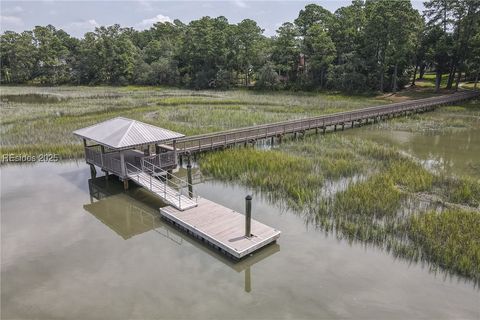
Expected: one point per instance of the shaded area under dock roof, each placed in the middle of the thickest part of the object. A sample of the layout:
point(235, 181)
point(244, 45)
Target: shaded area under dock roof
point(124, 133)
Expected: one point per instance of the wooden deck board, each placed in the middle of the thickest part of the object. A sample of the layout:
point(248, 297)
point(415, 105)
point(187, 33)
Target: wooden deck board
point(222, 227)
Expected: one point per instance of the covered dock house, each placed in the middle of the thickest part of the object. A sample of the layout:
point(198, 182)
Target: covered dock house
point(112, 144)
point(146, 155)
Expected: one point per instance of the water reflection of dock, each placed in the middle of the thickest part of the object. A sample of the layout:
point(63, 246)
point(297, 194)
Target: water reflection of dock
point(123, 214)
point(128, 215)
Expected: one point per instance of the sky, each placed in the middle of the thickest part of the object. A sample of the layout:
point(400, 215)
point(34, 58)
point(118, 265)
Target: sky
point(79, 17)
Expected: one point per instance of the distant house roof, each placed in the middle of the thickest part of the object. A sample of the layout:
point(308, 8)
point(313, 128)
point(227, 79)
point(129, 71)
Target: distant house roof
point(123, 133)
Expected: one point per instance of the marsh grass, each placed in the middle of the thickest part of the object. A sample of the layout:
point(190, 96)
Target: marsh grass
point(410, 175)
point(377, 196)
point(32, 127)
point(290, 176)
point(459, 190)
point(376, 208)
point(446, 119)
point(449, 239)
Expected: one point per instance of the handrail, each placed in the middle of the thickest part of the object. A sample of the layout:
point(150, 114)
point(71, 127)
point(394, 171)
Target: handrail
point(179, 184)
point(166, 191)
point(150, 169)
point(163, 159)
point(129, 171)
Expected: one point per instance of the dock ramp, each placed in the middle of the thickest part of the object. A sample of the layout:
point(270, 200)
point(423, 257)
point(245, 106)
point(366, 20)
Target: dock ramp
point(210, 222)
point(170, 189)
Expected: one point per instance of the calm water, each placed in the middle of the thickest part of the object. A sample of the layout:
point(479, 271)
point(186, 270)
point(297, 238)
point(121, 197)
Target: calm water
point(457, 152)
point(66, 254)
point(32, 98)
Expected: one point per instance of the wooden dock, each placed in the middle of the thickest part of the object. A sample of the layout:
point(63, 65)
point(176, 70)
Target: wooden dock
point(224, 139)
point(124, 153)
point(221, 227)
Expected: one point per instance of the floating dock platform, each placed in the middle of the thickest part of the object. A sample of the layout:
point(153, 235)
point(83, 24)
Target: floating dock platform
point(221, 227)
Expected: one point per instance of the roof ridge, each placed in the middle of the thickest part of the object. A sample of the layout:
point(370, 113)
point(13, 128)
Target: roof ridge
point(98, 123)
point(128, 130)
point(121, 132)
point(155, 127)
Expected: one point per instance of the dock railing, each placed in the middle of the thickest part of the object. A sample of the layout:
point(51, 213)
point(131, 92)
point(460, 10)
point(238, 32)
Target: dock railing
point(181, 185)
point(109, 162)
point(164, 159)
point(173, 187)
point(133, 173)
point(103, 160)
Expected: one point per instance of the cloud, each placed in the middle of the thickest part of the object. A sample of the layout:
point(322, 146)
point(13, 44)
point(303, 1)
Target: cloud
point(147, 23)
point(145, 5)
point(240, 3)
point(85, 24)
point(16, 9)
point(79, 28)
point(10, 21)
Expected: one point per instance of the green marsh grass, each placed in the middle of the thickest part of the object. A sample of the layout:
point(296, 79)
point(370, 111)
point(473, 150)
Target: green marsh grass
point(460, 190)
point(45, 127)
point(449, 239)
point(290, 176)
point(410, 175)
point(377, 196)
point(377, 204)
point(446, 119)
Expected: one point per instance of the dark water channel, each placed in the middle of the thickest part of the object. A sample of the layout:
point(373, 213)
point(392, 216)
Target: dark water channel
point(32, 98)
point(75, 248)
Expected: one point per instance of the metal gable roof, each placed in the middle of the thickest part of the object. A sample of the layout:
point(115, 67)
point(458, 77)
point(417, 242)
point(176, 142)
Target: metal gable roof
point(121, 133)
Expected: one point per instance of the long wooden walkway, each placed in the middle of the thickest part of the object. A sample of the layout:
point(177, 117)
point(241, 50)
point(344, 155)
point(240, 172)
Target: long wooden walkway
point(223, 139)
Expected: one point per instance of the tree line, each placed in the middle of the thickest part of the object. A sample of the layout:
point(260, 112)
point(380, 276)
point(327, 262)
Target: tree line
point(372, 45)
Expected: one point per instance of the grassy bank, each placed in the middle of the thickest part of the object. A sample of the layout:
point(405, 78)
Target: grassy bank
point(40, 120)
point(361, 191)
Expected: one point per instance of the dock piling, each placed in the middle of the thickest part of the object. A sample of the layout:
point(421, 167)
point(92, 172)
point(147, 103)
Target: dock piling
point(93, 171)
point(248, 216)
point(248, 280)
point(189, 180)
